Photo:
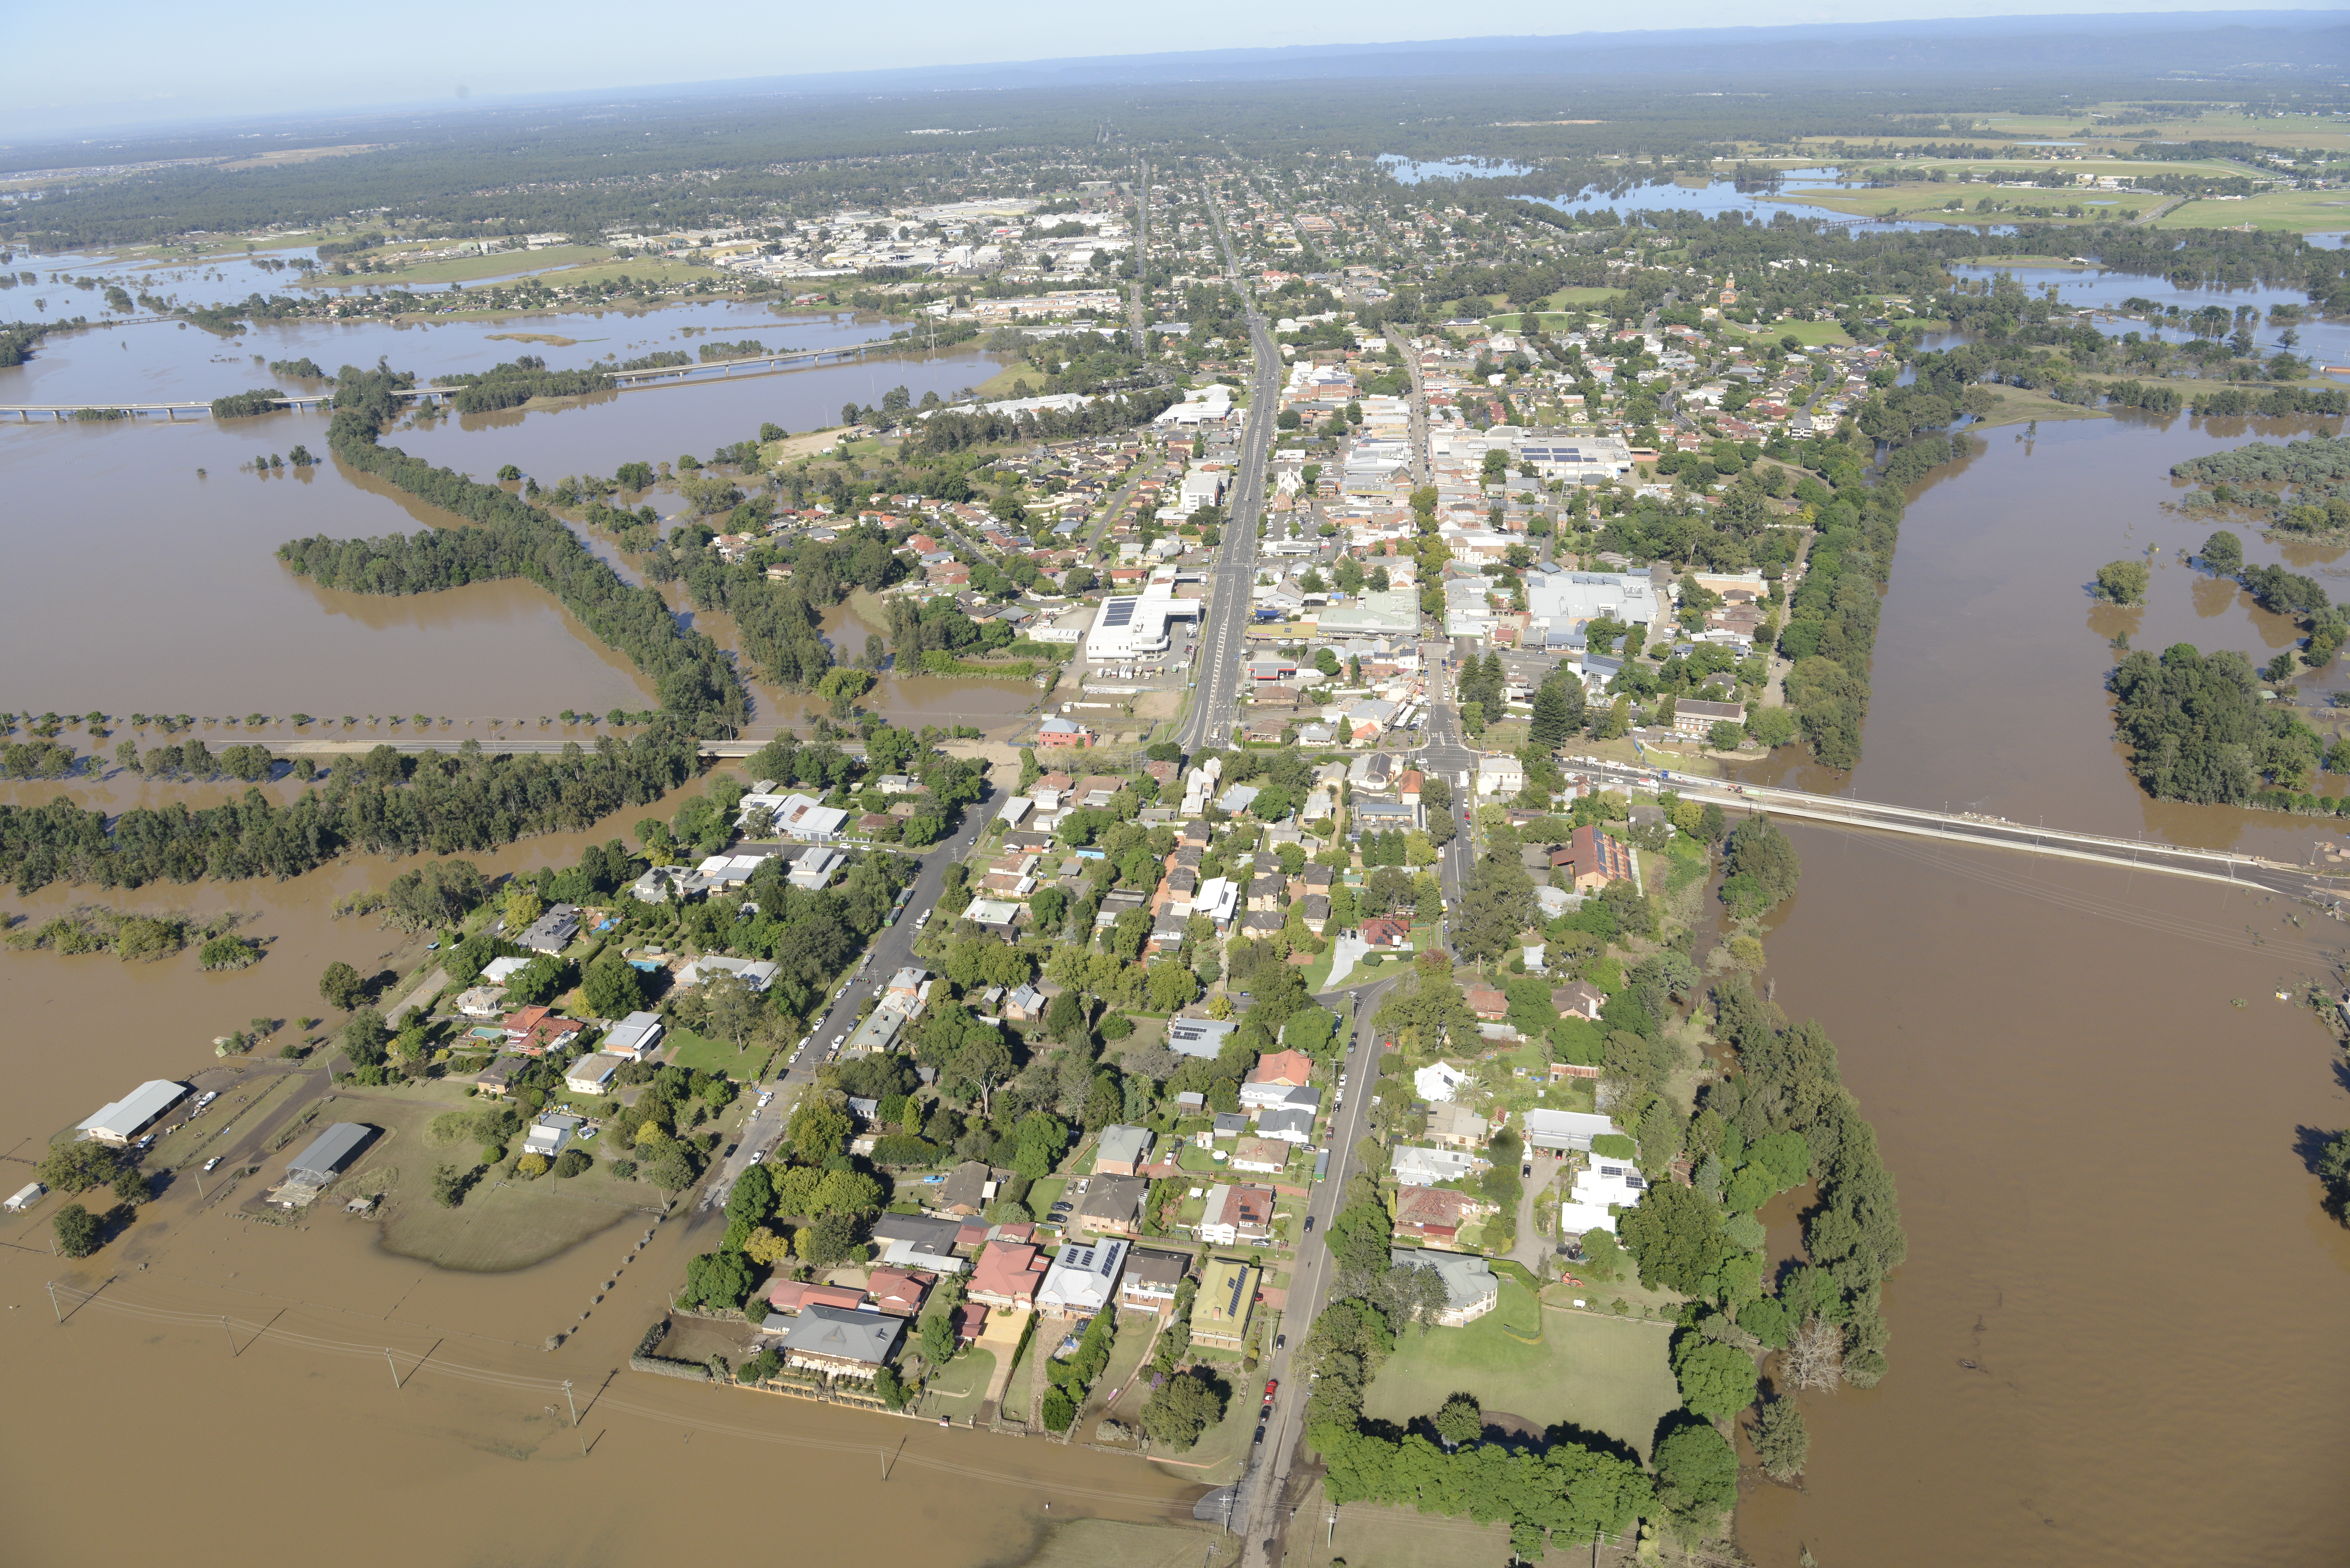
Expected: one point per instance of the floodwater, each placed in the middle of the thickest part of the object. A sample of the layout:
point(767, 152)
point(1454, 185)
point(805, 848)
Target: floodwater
point(1711, 198)
point(2113, 1340)
point(2327, 341)
point(478, 1426)
point(143, 570)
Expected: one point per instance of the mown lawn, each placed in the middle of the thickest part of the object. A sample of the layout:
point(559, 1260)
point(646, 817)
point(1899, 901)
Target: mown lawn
point(1602, 1375)
point(690, 1050)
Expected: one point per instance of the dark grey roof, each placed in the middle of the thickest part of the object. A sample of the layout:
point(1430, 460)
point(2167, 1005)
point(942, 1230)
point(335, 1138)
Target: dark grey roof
point(868, 1336)
point(330, 1150)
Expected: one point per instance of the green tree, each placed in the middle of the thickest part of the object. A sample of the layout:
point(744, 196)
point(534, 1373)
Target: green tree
point(77, 1229)
point(1696, 1477)
point(720, 1279)
point(612, 988)
point(77, 1166)
point(1676, 1236)
point(1460, 1420)
point(1780, 1441)
point(2223, 553)
point(1559, 711)
point(1762, 868)
point(1185, 1405)
point(2123, 582)
point(1716, 1379)
point(341, 987)
point(364, 1038)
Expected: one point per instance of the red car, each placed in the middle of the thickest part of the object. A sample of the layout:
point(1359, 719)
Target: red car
point(1269, 1389)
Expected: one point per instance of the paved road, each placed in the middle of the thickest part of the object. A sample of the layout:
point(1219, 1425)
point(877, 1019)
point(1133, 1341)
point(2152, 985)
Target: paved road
point(893, 948)
point(1223, 636)
point(1258, 1513)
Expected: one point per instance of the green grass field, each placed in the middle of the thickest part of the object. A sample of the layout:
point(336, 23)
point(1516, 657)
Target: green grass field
point(465, 269)
point(1810, 334)
point(690, 1050)
point(2293, 211)
point(1600, 1373)
point(957, 1392)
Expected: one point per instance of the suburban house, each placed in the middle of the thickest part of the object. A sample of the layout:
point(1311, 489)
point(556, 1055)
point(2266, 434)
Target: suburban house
point(969, 1188)
point(1200, 1037)
point(1603, 1182)
point(552, 931)
point(534, 1031)
point(1234, 1214)
point(1457, 1126)
point(1425, 1166)
point(1149, 1280)
point(1438, 1080)
point(1290, 1069)
point(633, 1036)
point(1113, 1205)
point(1220, 1313)
point(918, 1241)
point(897, 1291)
point(1593, 859)
point(1471, 1290)
point(1579, 999)
point(1122, 1151)
point(756, 973)
point(1501, 775)
point(1287, 1124)
point(1488, 1004)
point(1562, 1130)
point(841, 1343)
point(1269, 1156)
point(794, 1295)
point(1433, 1216)
point(1384, 934)
point(592, 1073)
point(1008, 1274)
point(1083, 1279)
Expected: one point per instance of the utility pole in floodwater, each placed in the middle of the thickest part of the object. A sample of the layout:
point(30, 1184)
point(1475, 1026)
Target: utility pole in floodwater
point(395, 1369)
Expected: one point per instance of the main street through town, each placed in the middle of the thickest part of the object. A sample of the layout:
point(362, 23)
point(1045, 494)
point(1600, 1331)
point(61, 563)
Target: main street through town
point(1223, 637)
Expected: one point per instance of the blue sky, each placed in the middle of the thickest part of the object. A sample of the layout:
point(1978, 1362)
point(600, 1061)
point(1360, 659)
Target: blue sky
point(146, 62)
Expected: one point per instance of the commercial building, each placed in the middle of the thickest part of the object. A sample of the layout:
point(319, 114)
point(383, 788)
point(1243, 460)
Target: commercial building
point(1134, 626)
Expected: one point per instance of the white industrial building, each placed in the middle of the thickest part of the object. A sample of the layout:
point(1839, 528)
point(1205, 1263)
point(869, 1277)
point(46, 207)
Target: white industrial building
point(1134, 626)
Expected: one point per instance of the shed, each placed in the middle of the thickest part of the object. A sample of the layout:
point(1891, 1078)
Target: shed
point(330, 1151)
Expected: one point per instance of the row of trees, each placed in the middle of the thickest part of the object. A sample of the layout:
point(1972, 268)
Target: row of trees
point(387, 802)
point(695, 680)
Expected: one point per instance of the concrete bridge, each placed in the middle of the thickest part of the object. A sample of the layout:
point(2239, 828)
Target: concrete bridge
point(2228, 868)
point(622, 380)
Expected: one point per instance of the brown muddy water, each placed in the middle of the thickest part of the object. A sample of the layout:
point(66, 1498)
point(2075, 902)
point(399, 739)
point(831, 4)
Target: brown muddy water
point(476, 1444)
point(143, 570)
point(2115, 1339)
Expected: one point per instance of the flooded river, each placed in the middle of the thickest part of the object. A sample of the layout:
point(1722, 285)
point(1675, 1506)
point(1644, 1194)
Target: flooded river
point(143, 575)
point(2115, 1337)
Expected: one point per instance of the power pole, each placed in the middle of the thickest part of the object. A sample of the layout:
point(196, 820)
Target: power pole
point(395, 1369)
point(231, 1338)
point(53, 1303)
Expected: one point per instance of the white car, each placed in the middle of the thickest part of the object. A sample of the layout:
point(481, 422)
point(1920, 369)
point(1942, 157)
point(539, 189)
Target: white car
point(837, 1040)
point(213, 1161)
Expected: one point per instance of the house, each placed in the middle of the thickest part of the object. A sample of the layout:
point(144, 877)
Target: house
point(1149, 1280)
point(1579, 999)
point(1437, 1081)
point(1593, 859)
point(1024, 1003)
point(117, 1123)
point(999, 915)
point(1234, 1214)
point(898, 1292)
point(1434, 1216)
point(1288, 1069)
point(633, 1037)
point(756, 973)
point(1563, 1130)
point(1268, 1156)
point(919, 1241)
point(1220, 1313)
point(1200, 1037)
point(1113, 1205)
point(592, 1073)
point(1499, 775)
point(552, 931)
point(536, 1030)
point(547, 1136)
point(1008, 1274)
point(1604, 1182)
point(1471, 1290)
point(1229, 1123)
point(498, 1077)
point(1121, 1150)
point(969, 1188)
point(841, 1343)
point(1416, 1167)
point(1488, 1004)
point(1083, 1278)
point(1457, 1126)
point(796, 1295)
point(1383, 934)
point(1289, 1124)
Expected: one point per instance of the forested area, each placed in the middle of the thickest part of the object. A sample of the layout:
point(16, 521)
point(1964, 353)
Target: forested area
point(388, 801)
point(517, 381)
point(696, 683)
point(2198, 730)
point(2303, 487)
